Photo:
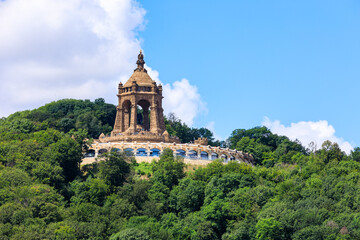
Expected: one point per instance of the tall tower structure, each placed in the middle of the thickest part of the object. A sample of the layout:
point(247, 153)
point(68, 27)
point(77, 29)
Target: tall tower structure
point(139, 112)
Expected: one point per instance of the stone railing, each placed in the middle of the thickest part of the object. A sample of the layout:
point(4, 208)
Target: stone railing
point(139, 137)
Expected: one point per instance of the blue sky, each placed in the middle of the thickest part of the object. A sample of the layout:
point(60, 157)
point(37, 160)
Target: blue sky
point(293, 66)
point(288, 60)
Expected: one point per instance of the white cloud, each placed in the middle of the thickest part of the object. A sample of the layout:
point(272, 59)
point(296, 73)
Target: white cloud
point(180, 98)
point(307, 132)
point(183, 99)
point(53, 49)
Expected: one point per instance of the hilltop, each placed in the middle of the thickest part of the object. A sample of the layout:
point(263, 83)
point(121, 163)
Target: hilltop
point(292, 192)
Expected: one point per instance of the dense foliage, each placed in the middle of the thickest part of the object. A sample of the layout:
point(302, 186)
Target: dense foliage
point(175, 127)
point(266, 148)
point(64, 115)
point(291, 192)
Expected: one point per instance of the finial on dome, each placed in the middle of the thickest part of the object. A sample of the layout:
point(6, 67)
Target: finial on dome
point(140, 63)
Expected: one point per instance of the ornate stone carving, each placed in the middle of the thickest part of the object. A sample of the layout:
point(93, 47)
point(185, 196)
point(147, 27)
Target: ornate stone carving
point(140, 63)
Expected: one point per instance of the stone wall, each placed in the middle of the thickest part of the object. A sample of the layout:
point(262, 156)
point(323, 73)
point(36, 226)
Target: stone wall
point(188, 151)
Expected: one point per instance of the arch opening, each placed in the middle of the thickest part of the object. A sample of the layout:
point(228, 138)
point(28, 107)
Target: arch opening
point(204, 155)
point(181, 153)
point(141, 152)
point(192, 154)
point(154, 152)
point(129, 151)
point(223, 156)
point(143, 115)
point(214, 156)
point(102, 151)
point(90, 153)
point(116, 150)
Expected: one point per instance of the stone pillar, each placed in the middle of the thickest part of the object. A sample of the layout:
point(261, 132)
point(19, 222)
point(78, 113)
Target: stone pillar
point(154, 125)
point(117, 126)
point(133, 119)
point(126, 119)
point(119, 117)
point(199, 154)
point(120, 112)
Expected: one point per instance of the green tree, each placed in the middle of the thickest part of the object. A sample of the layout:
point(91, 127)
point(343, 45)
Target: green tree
point(114, 169)
point(93, 191)
point(47, 173)
point(136, 192)
point(330, 151)
point(175, 127)
point(188, 196)
point(169, 169)
point(65, 233)
point(268, 229)
point(204, 231)
point(130, 234)
point(355, 154)
point(67, 153)
point(13, 177)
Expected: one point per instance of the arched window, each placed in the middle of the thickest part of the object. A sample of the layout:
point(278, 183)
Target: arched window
point(214, 156)
point(154, 152)
point(115, 150)
point(141, 152)
point(102, 151)
point(223, 156)
point(204, 155)
point(129, 151)
point(192, 154)
point(90, 153)
point(181, 153)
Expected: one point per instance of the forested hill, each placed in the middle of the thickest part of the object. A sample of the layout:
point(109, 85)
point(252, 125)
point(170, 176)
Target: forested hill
point(95, 117)
point(292, 192)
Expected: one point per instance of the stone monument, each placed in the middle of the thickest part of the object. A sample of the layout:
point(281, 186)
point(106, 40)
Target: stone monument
point(139, 114)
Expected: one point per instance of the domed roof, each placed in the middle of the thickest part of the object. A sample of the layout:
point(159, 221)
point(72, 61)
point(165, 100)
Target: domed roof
point(141, 78)
point(140, 74)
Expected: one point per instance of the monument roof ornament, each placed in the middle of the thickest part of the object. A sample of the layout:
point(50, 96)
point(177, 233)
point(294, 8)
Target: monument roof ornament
point(140, 74)
point(140, 63)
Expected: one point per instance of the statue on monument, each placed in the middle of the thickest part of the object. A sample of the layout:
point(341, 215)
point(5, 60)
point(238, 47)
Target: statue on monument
point(140, 63)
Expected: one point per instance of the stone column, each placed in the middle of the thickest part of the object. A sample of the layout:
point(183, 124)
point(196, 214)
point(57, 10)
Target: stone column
point(133, 119)
point(118, 119)
point(154, 125)
point(126, 119)
point(121, 119)
point(117, 126)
